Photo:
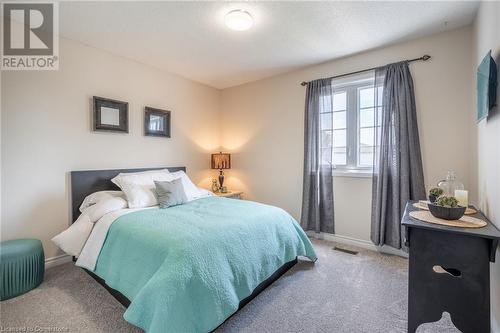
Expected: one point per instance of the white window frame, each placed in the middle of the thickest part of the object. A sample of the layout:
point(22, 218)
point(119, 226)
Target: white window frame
point(352, 86)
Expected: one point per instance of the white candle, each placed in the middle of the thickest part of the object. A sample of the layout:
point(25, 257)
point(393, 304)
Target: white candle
point(462, 197)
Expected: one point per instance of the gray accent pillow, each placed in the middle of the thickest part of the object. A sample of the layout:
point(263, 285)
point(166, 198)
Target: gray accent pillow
point(170, 193)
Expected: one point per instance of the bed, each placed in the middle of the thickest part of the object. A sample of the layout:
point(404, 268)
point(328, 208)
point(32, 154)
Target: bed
point(190, 267)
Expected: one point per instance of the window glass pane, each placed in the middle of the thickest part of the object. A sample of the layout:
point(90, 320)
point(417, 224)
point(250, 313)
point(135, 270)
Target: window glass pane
point(366, 136)
point(365, 156)
point(339, 156)
point(326, 156)
point(366, 112)
point(366, 97)
point(326, 121)
point(339, 101)
point(339, 120)
point(366, 117)
point(339, 138)
point(326, 104)
point(379, 116)
point(326, 139)
point(380, 91)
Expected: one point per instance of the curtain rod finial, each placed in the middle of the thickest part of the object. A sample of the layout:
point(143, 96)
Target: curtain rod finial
point(303, 83)
point(426, 57)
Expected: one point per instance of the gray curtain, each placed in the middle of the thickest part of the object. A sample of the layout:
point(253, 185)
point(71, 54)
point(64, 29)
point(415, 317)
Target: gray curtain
point(317, 198)
point(397, 171)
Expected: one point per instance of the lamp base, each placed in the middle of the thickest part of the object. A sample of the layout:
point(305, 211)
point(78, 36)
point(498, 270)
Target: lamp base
point(221, 178)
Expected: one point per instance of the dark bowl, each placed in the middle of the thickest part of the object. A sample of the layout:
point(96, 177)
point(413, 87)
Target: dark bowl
point(446, 213)
point(432, 198)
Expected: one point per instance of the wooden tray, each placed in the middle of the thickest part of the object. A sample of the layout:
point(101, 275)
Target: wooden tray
point(423, 205)
point(464, 222)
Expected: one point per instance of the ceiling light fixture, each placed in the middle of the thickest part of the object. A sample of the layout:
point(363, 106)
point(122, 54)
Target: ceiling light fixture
point(238, 20)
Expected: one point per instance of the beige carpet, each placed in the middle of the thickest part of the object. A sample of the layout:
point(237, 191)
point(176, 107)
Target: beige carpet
point(339, 293)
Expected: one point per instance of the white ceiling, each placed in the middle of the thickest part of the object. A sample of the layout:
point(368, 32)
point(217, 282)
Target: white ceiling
point(190, 39)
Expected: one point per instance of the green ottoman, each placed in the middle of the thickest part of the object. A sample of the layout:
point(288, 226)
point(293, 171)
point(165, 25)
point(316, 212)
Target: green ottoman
point(22, 264)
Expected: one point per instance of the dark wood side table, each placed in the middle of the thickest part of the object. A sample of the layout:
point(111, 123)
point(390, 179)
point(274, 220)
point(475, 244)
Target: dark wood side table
point(449, 270)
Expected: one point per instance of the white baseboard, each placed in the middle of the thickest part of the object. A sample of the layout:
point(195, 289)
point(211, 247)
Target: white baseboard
point(55, 261)
point(357, 242)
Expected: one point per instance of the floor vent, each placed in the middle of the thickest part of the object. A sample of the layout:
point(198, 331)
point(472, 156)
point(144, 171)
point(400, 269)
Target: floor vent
point(336, 248)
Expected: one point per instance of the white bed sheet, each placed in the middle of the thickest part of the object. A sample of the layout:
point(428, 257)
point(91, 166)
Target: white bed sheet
point(92, 248)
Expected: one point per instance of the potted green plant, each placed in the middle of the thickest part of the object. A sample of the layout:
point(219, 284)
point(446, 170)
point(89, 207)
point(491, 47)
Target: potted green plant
point(446, 207)
point(434, 193)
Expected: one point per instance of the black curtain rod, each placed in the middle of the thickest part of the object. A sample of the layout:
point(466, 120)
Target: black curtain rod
point(423, 58)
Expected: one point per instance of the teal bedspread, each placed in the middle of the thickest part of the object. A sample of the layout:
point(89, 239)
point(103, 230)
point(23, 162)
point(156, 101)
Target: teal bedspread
point(186, 268)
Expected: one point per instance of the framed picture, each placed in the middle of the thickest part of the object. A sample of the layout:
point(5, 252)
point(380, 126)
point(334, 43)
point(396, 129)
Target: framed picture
point(156, 122)
point(486, 86)
point(110, 115)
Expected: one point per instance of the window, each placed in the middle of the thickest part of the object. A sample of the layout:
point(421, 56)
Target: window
point(348, 127)
point(334, 131)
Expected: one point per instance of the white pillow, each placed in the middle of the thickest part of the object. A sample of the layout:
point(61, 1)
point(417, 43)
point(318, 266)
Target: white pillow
point(73, 239)
point(139, 187)
point(203, 193)
point(95, 212)
point(189, 188)
point(192, 191)
point(121, 175)
point(95, 197)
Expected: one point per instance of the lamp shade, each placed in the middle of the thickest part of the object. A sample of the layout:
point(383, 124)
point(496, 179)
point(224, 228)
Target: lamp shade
point(221, 161)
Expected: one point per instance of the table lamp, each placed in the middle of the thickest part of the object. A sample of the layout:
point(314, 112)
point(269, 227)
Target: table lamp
point(221, 161)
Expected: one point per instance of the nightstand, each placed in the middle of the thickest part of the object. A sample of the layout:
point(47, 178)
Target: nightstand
point(449, 270)
point(230, 194)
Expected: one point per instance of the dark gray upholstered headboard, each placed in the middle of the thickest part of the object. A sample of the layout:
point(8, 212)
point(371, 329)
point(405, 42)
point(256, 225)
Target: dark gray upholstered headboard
point(86, 182)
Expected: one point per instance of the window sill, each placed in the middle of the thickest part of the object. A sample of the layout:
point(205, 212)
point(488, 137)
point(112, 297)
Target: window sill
point(352, 173)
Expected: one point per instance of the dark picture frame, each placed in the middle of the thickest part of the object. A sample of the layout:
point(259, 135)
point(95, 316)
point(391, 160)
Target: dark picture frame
point(157, 122)
point(110, 115)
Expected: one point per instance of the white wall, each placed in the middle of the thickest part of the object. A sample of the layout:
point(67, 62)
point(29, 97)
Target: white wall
point(487, 36)
point(263, 126)
point(46, 132)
